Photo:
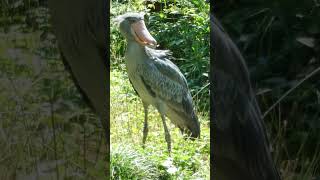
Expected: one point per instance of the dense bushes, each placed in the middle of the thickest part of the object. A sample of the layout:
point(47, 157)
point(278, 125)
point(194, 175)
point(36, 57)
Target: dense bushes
point(280, 42)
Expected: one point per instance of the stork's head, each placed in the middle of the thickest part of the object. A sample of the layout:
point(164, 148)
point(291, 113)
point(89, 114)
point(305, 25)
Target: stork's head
point(133, 28)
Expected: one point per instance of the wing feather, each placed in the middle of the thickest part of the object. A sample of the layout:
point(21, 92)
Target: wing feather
point(161, 84)
point(162, 59)
point(166, 81)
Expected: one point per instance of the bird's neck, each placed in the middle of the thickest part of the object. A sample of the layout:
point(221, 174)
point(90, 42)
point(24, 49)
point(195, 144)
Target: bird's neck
point(135, 50)
point(135, 55)
point(134, 46)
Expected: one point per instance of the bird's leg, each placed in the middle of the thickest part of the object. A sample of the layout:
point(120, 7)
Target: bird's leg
point(166, 133)
point(145, 127)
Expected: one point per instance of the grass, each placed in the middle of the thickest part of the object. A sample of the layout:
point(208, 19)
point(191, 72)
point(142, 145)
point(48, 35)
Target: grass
point(46, 130)
point(30, 74)
point(293, 165)
point(191, 158)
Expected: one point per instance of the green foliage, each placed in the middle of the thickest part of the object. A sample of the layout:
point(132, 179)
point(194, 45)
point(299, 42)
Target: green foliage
point(129, 164)
point(183, 28)
point(191, 158)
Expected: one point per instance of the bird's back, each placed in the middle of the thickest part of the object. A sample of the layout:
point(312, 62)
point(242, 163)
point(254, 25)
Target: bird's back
point(240, 140)
point(79, 28)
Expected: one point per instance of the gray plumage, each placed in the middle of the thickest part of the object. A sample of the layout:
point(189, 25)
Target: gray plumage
point(80, 28)
point(165, 83)
point(241, 147)
point(158, 82)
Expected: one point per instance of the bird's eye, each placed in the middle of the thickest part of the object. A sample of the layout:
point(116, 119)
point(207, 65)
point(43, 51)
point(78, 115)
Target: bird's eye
point(131, 20)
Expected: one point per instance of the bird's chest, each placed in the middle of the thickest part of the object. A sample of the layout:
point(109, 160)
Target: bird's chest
point(134, 62)
point(139, 86)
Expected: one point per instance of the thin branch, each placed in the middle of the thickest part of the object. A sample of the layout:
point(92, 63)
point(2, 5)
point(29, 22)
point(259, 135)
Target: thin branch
point(201, 89)
point(54, 130)
point(290, 90)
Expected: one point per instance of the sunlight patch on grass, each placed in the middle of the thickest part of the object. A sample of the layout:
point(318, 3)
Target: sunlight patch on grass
point(191, 158)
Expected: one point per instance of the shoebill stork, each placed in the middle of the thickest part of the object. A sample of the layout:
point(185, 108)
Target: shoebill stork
point(156, 79)
point(81, 30)
point(240, 143)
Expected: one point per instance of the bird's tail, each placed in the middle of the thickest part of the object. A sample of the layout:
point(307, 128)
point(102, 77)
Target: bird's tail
point(188, 123)
point(193, 125)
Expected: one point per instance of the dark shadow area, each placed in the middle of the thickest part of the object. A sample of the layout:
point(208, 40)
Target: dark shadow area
point(280, 44)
